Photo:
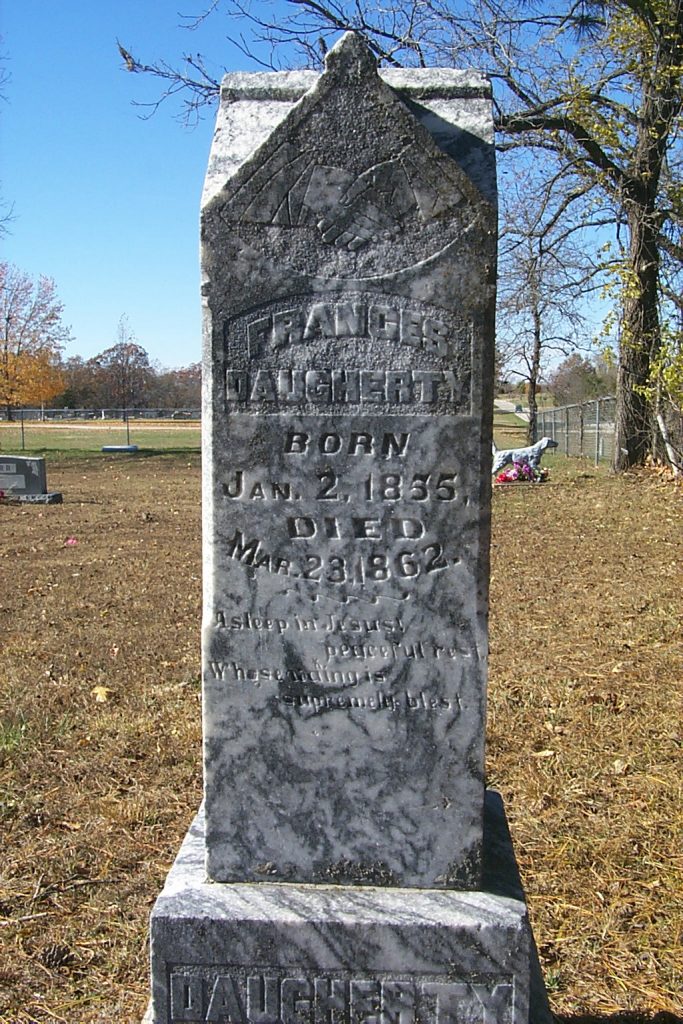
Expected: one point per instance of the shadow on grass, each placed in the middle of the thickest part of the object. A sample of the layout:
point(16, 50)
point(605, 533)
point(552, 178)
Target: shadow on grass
point(146, 453)
point(627, 1017)
point(91, 453)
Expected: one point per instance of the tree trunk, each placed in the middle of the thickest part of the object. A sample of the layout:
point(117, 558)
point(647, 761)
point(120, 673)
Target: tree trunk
point(640, 340)
point(534, 371)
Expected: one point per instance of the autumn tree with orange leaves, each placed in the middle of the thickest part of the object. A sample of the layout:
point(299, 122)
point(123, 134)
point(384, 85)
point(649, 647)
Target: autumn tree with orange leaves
point(31, 339)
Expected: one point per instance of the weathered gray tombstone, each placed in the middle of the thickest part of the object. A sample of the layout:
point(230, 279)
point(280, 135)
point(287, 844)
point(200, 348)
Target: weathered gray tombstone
point(346, 867)
point(24, 478)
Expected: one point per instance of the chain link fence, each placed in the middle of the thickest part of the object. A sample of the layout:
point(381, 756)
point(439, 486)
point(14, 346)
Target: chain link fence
point(64, 429)
point(55, 415)
point(587, 429)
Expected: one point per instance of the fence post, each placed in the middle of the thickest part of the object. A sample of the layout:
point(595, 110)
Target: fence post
point(581, 426)
point(597, 431)
point(566, 430)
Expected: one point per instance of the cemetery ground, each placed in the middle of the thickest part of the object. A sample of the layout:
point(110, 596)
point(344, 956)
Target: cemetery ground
point(100, 729)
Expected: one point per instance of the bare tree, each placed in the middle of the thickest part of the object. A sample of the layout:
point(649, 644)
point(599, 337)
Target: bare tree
point(546, 272)
point(124, 370)
point(6, 209)
point(595, 82)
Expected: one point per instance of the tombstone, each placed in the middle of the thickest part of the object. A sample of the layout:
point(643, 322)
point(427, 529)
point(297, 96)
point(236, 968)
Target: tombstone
point(24, 479)
point(347, 865)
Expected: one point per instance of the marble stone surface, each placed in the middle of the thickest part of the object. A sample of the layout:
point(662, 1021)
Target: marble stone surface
point(303, 954)
point(348, 259)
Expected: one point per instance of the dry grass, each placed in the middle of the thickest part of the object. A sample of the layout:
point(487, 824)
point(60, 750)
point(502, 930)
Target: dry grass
point(585, 731)
point(100, 731)
point(83, 436)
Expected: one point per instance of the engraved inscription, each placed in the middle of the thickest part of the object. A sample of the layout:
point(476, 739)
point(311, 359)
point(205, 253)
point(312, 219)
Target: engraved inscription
point(355, 443)
point(246, 997)
point(362, 520)
point(346, 526)
point(359, 352)
point(326, 386)
point(351, 664)
point(373, 566)
point(354, 317)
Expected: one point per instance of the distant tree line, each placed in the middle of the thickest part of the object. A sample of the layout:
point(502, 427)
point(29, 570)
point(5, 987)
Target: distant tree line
point(576, 379)
point(33, 371)
point(122, 377)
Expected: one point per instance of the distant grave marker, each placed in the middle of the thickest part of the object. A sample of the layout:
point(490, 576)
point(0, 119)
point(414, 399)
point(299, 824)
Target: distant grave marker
point(24, 478)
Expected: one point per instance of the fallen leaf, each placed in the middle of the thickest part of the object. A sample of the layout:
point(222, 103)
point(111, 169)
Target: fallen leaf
point(101, 693)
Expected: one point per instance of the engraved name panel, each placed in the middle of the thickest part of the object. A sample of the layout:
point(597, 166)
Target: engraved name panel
point(354, 352)
point(238, 996)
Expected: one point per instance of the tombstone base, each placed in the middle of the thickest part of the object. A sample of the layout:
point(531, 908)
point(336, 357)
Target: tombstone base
point(307, 953)
point(51, 498)
point(127, 449)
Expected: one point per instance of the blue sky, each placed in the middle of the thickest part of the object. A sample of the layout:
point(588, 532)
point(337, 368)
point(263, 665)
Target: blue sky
point(106, 203)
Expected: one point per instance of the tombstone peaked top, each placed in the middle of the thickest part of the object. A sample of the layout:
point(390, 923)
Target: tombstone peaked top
point(342, 177)
point(453, 105)
point(348, 262)
point(351, 54)
point(350, 58)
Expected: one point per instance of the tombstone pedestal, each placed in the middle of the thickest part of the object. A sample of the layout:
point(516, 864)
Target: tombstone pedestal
point(311, 954)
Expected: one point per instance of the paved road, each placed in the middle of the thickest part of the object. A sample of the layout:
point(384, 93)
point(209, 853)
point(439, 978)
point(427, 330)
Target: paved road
point(502, 405)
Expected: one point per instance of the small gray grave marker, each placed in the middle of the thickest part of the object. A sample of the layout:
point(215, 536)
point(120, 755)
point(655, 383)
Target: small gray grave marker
point(24, 479)
point(349, 270)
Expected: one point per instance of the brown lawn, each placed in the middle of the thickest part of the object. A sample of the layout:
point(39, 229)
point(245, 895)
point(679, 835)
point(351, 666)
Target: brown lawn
point(100, 730)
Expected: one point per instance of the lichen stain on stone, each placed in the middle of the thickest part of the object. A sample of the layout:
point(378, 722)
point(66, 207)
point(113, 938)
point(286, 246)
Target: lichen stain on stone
point(350, 872)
